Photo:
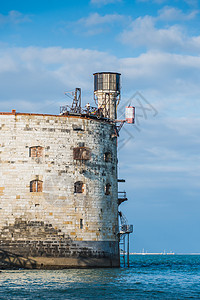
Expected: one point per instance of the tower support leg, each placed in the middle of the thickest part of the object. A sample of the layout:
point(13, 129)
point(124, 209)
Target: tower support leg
point(128, 251)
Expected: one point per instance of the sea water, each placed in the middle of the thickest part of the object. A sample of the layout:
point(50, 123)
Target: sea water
point(149, 277)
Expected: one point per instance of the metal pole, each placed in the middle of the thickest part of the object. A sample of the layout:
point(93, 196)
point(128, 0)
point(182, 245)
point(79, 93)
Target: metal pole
point(124, 250)
point(128, 251)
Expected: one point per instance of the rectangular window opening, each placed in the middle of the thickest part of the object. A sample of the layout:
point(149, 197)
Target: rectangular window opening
point(81, 153)
point(36, 151)
point(36, 186)
point(79, 187)
point(81, 223)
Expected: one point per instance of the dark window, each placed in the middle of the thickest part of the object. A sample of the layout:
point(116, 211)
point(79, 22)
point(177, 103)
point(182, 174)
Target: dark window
point(36, 186)
point(107, 189)
point(77, 128)
point(107, 156)
point(81, 153)
point(36, 151)
point(81, 144)
point(81, 223)
point(78, 187)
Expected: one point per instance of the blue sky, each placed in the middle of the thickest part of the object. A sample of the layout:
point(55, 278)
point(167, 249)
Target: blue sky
point(49, 47)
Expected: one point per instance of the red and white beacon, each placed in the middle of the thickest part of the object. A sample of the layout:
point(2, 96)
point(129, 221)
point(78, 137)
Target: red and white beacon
point(130, 114)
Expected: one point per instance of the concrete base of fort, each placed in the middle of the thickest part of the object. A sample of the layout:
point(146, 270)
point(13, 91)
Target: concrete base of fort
point(67, 263)
point(59, 263)
point(85, 255)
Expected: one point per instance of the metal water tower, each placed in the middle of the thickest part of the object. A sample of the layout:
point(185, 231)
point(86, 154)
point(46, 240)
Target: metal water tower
point(107, 93)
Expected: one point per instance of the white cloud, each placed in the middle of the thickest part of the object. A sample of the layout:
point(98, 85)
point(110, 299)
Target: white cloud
point(193, 3)
point(165, 155)
point(143, 33)
point(97, 19)
point(96, 23)
point(154, 1)
point(42, 75)
point(104, 2)
point(168, 13)
point(13, 17)
point(169, 82)
point(7, 63)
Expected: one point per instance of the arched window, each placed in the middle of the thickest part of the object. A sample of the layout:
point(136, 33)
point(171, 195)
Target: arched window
point(107, 156)
point(108, 189)
point(36, 186)
point(36, 151)
point(79, 187)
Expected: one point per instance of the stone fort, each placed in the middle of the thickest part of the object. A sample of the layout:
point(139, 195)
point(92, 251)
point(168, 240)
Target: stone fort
point(59, 184)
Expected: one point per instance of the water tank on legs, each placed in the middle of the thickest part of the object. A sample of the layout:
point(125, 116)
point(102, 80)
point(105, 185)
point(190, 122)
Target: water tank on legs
point(107, 93)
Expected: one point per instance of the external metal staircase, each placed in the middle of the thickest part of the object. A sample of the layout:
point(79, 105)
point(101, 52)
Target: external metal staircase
point(124, 231)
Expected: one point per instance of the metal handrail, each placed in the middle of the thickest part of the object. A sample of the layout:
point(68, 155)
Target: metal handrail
point(125, 229)
point(122, 193)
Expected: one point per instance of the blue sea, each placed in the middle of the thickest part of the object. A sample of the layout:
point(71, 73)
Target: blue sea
point(149, 277)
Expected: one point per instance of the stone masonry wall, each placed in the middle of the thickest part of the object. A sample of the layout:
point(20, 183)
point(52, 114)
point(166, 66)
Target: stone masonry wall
point(57, 222)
